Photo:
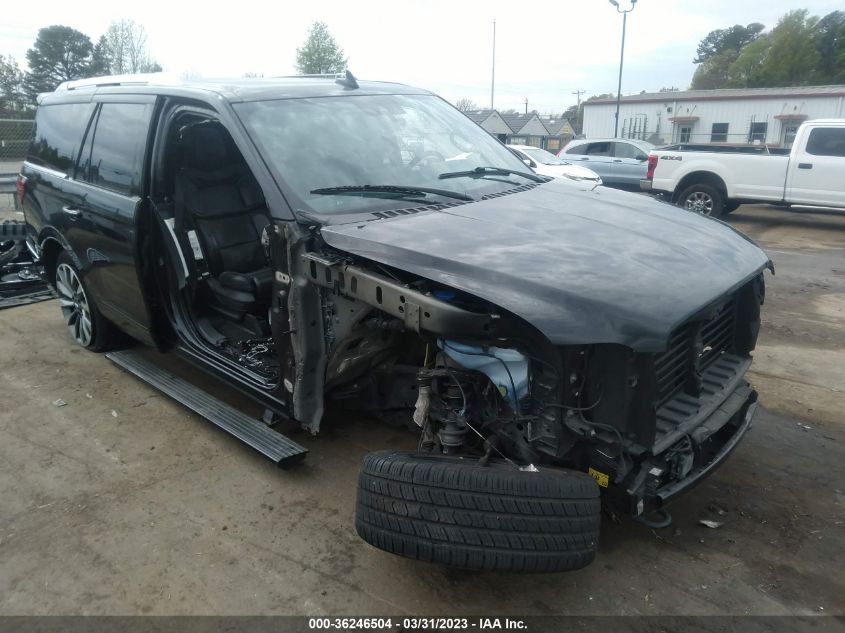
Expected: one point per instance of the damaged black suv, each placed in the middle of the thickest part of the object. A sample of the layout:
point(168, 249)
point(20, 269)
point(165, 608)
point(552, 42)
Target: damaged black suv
point(559, 345)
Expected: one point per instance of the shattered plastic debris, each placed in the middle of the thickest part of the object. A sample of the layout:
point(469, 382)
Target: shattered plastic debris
point(59, 403)
point(711, 524)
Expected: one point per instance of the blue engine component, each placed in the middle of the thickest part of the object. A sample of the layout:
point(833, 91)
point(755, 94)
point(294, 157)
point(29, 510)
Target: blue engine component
point(492, 362)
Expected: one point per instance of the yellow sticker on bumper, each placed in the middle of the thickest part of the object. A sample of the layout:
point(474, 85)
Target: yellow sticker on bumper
point(601, 478)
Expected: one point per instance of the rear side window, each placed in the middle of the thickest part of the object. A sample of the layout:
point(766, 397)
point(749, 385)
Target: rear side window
point(598, 149)
point(57, 135)
point(113, 155)
point(827, 141)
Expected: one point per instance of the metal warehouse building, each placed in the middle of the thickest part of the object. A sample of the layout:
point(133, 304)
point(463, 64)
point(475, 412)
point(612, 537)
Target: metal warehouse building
point(746, 115)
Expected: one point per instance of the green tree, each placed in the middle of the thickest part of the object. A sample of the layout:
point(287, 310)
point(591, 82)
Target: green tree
point(101, 58)
point(792, 58)
point(12, 99)
point(320, 53)
point(59, 54)
point(714, 72)
point(748, 69)
point(718, 51)
point(829, 39)
point(730, 39)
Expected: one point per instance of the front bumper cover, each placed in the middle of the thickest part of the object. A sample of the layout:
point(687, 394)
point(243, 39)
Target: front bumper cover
point(652, 484)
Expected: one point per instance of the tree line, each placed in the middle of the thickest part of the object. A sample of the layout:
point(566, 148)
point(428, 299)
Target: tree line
point(61, 53)
point(801, 50)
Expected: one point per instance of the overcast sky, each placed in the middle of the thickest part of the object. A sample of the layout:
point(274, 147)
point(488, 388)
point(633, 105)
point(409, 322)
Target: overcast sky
point(544, 50)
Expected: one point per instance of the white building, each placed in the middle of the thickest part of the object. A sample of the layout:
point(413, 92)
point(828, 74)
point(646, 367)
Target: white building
point(744, 115)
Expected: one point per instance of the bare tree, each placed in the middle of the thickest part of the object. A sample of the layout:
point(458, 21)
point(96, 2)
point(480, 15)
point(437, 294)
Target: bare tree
point(124, 48)
point(466, 105)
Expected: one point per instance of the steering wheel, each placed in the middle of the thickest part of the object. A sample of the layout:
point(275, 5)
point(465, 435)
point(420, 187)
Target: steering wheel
point(425, 155)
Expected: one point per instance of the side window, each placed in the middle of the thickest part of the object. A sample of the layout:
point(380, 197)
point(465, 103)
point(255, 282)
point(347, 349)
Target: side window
point(826, 141)
point(57, 134)
point(625, 150)
point(578, 149)
point(115, 152)
point(598, 149)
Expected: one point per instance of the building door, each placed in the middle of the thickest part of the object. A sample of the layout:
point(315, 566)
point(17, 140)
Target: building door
point(790, 129)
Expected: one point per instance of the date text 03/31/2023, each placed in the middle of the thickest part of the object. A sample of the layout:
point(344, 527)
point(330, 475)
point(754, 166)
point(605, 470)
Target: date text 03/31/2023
point(416, 624)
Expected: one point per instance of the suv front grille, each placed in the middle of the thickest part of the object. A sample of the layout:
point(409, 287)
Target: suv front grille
point(692, 348)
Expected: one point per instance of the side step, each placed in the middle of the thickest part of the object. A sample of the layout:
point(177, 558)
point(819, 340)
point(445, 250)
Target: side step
point(276, 446)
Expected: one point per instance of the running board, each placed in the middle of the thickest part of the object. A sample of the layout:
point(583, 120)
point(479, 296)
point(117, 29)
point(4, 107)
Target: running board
point(266, 441)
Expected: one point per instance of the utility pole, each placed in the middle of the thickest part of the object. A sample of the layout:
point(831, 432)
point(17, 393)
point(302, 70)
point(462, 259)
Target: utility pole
point(493, 78)
point(624, 13)
point(578, 94)
point(526, 105)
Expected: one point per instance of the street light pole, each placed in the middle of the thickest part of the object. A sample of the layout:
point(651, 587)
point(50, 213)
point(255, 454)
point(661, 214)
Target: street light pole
point(624, 13)
point(493, 75)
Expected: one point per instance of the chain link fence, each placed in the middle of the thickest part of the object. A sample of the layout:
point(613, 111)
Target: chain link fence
point(14, 142)
point(14, 139)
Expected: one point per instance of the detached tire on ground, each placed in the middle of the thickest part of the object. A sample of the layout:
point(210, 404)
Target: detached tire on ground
point(450, 510)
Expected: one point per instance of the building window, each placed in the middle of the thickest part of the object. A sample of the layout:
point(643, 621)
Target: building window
point(686, 132)
point(719, 133)
point(757, 132)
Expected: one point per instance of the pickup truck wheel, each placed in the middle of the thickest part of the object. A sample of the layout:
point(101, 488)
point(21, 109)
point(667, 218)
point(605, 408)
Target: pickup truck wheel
point(86, 325)
point(452, 511)
point(703, 199)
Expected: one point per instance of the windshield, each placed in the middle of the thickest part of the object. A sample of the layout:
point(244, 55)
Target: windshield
point(315, 145)
point(543, 157)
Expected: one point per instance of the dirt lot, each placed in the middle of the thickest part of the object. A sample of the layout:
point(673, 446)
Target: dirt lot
point(121, 502)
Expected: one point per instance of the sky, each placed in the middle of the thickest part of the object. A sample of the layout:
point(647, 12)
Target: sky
point(545, 51)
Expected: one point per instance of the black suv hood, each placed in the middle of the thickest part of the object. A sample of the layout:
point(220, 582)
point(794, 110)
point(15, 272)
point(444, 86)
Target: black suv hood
point(581, 265)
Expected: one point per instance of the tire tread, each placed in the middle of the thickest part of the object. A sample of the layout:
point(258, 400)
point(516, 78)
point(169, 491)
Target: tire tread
point(454, 512)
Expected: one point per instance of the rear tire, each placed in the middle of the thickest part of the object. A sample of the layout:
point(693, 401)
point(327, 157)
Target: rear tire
point(86, 326)
point(451, 511)
point(703, 199)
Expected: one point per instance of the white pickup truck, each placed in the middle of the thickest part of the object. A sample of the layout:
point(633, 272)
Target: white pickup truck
point(716, 179)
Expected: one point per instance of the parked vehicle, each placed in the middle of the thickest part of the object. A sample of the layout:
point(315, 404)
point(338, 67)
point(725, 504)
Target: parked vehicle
point(715, 180)
point(308, 240)
point(547, 164)
point(620, 162)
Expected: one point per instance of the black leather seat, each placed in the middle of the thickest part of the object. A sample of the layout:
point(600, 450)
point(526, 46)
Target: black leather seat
point(217, 196)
